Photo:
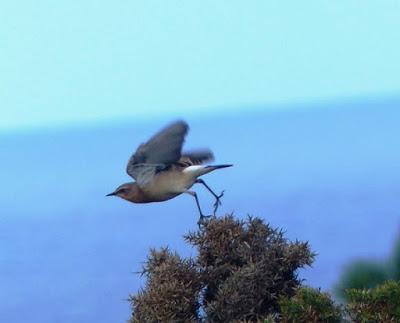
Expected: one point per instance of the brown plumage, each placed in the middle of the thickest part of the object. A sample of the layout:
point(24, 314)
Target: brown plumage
point(162, 172)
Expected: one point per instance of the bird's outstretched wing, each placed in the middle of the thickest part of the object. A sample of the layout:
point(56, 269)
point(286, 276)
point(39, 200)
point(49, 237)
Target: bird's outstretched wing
point(162, 150)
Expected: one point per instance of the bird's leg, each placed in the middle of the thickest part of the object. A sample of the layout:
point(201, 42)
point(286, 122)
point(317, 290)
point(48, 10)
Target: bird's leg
point(202, 216)
point(217, 197)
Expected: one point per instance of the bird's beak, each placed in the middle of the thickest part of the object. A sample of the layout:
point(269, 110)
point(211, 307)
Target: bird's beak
point(111, 194)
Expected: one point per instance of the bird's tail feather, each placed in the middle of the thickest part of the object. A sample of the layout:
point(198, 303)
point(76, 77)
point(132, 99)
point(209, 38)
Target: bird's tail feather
point(199, 170)
point(213, 167)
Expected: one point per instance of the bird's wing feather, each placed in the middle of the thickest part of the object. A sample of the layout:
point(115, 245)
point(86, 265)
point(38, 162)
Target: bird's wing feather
point(144, 173)
point(163, 149)
point(196, 157)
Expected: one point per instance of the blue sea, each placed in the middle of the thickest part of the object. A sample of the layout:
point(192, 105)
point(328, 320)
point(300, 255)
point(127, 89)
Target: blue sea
point(329, 174)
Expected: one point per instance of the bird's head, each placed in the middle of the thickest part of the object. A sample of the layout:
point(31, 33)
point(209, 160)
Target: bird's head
point(127, 191)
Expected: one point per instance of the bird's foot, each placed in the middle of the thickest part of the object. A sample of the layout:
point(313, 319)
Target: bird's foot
point(203, 219)
point(218, 201)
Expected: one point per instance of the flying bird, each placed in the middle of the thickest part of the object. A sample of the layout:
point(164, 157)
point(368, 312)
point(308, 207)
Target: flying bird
point(162, 171)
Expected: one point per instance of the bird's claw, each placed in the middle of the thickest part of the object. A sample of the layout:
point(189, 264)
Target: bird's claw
point(218, 202)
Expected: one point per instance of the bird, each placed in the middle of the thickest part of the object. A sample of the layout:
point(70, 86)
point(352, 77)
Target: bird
point(162, 171)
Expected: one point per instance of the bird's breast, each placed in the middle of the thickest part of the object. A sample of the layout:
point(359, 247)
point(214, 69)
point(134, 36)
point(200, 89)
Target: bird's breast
point(168, 184)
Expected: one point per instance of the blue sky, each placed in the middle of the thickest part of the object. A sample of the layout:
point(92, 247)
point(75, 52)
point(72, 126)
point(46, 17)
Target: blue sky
point(63, 62)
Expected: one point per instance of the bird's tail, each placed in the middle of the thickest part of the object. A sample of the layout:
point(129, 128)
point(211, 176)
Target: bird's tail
point(210, 168)
point(214, 167)
point(199, 170)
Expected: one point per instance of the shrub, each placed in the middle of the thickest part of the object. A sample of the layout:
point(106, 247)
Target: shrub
point(246, 271)
point(361, 274)
point(172, 290)
point(381, 304)
point(241, 270)
point(394, 261)
point(309, 305)
point(246, 266)
point(364, 274)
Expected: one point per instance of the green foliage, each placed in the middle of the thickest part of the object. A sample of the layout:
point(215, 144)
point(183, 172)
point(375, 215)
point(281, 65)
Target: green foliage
point(381, 304)
point(269, 319)
point(309, 305)
point(362, 274)
point(394, 261)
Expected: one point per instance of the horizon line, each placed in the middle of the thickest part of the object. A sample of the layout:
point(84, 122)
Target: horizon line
point(278, 107)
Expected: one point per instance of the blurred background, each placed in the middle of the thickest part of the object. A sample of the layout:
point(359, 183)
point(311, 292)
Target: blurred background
point(303, 98)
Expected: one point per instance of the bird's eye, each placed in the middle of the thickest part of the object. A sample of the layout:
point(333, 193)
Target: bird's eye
point(122, 191)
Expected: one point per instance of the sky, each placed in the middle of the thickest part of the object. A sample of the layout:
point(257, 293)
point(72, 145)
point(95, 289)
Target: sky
point(72, 62)
point(63, 62)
